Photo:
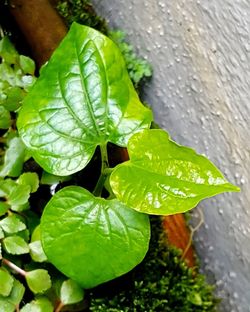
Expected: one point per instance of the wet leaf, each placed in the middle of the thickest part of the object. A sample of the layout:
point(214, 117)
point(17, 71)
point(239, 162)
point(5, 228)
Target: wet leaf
point(106, 238)
point(170, 178)
point(82, 99)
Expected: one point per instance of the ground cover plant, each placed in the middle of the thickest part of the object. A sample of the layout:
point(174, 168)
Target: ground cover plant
point(79, 104)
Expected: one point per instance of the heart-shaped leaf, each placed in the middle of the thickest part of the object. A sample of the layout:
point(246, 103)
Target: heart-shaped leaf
point(82, 99)
point(169, 178)
point(92, 240)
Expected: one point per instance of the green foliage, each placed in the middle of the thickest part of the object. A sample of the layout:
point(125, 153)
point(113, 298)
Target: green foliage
point(99, 228)
point(170, 178)
point(65, 116)
point(71, 292)
point(70, 119)
point(162, 283)
point(41, 304)
point(138, 68)
point(6, 282)
point(89, 238)
point(81, 11)
point(38, 280)
point(16, 76)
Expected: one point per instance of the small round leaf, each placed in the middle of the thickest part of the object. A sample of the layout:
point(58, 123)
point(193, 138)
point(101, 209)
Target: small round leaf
point(15, 245)
point(71, 292)
point(41, 304)
point(38, 280)
point(6, 283)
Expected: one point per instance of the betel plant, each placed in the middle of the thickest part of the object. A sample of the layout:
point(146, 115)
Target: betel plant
point(82, 100)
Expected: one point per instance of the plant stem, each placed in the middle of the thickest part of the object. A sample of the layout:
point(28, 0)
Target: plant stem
point(105, 165)
point(59, 307)
point(13, 267)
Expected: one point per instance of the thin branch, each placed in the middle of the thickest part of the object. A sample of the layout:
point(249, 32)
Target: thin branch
point(59, 307)
point(192, 232)
point(14, 267)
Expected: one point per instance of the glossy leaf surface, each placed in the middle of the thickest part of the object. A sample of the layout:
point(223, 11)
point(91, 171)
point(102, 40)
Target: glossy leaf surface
point(90, 239)
point(163, 177)
point(82, 99)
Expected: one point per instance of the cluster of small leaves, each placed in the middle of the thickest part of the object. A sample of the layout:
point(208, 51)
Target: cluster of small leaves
point(23, 271)
point(161, 283)
point(16, 77)
point(81, 11)
point(138, 68)
point(62, 123)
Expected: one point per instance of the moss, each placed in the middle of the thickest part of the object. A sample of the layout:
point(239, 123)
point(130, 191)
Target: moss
point(81, 11)
point(161, 283)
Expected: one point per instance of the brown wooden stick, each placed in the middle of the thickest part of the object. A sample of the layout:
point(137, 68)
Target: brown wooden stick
point(178, 235)
point(41, 25)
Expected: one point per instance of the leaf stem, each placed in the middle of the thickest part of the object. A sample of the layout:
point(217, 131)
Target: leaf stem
point(59, 307)
point(14, 267)
point(104, 170)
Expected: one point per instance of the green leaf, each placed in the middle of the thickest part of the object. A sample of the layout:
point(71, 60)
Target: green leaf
point(21, 207)
point(6, 283)
point(31, 179)
point(195, 298)
point(90, 239)
point(6, 306)
point(50, 179)
point(19, 195)
point(36, 252)
point(15, 245)
point(71, 292)
point(6, 187)
point(12, 224)
point(163, 177)
point(27, 64)
point(38, 280)
point(4, 207)
point(82, 99)
point(13, 159)
point(36, 235)
point(5, 119)
point(16, 294)
point(1, 236)
point(7, 51)
point(13, 98)
point(41, 304)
